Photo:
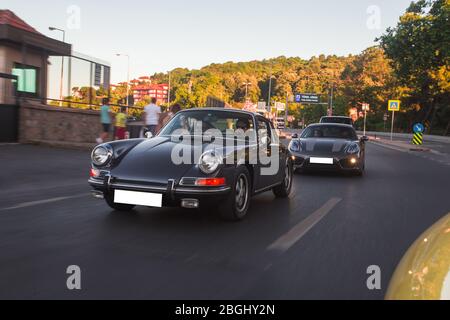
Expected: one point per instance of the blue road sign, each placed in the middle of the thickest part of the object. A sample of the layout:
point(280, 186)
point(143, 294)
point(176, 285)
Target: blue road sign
point(418, 128)
point(307, 98)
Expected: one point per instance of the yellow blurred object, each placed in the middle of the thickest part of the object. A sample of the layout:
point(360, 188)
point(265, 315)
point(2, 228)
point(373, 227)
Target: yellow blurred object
point(424, 271)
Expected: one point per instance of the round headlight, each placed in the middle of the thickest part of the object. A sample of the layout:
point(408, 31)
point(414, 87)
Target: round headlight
point(209, 162)
point(101, 155)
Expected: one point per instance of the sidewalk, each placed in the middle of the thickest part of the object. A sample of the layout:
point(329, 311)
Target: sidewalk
point(400, 145)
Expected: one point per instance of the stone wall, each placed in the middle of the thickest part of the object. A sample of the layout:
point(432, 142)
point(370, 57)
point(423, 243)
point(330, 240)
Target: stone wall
point(58, 126)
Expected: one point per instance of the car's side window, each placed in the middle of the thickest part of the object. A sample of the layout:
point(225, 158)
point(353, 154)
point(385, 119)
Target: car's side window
point(274, 134)
point(264, 132)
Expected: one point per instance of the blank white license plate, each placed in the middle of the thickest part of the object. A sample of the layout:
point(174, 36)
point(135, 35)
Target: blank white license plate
point(321, 160)
point(138, 198)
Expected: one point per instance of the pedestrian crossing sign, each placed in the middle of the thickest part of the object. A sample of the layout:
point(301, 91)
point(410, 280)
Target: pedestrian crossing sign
point(394, 105)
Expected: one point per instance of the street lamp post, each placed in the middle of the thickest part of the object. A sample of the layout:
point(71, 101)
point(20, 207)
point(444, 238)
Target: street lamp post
point(62, 65)
point(128, 74)
point(246, 84)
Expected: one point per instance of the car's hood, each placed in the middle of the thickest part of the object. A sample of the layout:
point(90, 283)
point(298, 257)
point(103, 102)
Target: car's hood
point(323, 146)
point(159, 159)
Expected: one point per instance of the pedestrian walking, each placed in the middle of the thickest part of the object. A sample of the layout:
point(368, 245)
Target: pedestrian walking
point(105, 119)
point(152, 114)
point(121, 124)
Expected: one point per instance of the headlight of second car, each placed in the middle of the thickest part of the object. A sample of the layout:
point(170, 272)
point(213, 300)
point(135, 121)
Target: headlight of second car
point(295, 146)
point(209, 162)
point(353, 148)
point(102, 155)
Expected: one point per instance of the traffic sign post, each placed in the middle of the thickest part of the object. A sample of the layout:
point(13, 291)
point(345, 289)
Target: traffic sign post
point(311, 98)
point(393, 105)
point(385, 118)
point(418, 130)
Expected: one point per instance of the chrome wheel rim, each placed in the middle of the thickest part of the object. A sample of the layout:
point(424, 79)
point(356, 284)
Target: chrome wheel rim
point(241, 192)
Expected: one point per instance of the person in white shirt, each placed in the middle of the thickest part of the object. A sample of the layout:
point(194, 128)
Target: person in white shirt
point(151, 116)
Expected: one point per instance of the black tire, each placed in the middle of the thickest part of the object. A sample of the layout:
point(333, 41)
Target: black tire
point(236, 205)
point(109, 198)
point(283, 190)
point(361, 171)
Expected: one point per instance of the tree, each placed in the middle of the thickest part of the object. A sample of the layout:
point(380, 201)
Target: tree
point(419, 47)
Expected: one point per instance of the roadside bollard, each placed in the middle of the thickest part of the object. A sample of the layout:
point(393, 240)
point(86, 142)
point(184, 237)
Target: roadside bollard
point(418, 139)
point(418, 129)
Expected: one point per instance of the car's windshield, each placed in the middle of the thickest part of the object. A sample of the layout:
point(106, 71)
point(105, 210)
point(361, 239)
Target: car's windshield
point(199, 121)
point(335, 132)
point(342, 120)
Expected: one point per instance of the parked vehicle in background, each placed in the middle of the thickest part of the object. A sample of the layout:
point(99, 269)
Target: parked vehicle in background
point(337, 119)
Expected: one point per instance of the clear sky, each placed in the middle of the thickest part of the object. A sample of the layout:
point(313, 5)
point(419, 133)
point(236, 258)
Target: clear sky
point(163, 34)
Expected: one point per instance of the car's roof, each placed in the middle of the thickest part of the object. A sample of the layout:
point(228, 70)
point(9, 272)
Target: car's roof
point(222, 110)
point(344, 117)
point(331, 124)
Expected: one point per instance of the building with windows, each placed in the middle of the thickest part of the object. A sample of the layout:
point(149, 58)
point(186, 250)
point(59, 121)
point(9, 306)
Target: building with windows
point(144, 92)
point(35, 72)
point(24, 53)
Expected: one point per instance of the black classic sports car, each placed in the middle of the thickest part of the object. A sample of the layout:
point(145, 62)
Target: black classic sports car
point(329, 147)
point(202, 157)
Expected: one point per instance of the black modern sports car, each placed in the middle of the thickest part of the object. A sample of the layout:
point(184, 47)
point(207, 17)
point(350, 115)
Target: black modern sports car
point(203, 156)
point(329, 147)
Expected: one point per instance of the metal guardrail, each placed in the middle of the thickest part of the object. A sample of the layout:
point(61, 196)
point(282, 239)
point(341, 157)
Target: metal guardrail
point(70, 104)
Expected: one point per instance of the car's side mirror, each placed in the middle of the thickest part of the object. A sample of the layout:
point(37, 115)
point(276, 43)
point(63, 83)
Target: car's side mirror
point(364, 138)
point(295, 136)
point(148, 135)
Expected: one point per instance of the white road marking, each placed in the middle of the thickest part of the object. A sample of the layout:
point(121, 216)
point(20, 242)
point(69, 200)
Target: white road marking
point(38, 202)
point(297, 232)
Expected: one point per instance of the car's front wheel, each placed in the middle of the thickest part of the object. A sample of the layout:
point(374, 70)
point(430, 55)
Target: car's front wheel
point(283, 190)
point(109, 198)
point(236, 205)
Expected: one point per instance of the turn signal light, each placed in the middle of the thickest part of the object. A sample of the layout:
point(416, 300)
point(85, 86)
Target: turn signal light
point(210, 182)
point(94, 173)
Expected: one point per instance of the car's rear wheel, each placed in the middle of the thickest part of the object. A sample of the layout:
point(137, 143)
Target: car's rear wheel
point(109, 198)
point(236, 205)
point(283, 190)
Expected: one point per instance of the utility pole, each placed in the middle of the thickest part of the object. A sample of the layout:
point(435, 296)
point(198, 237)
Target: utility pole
point(168, 93)
point(286, 111)
point(330, 109)
point(128, 75)
point(62, 65)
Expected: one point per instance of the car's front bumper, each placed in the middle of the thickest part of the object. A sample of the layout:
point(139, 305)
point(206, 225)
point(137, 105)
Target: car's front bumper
point(172, 194)
point(302, 162)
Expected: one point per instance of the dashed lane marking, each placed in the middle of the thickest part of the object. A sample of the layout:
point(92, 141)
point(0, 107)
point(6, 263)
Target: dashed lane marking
point(38, 202)
point(298, 231)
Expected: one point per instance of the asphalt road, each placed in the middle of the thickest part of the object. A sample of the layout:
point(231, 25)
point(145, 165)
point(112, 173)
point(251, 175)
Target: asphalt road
point(315, 245)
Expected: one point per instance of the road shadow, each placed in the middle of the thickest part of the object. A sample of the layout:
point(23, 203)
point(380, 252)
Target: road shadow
point(328, 174)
